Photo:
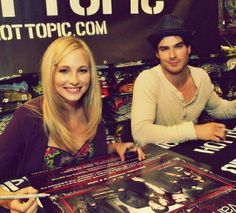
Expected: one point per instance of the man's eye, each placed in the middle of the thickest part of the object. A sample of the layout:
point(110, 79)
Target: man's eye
point(179, 45)
point(162, 49)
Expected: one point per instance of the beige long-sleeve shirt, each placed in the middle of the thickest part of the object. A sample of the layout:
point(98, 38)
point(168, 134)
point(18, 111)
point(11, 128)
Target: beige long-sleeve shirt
point(161, 115)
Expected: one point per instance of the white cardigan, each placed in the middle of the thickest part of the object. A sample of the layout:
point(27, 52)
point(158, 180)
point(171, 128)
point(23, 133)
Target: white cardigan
point(160, 114)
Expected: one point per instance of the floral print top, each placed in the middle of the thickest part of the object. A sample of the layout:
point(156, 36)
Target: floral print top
point(56, 157)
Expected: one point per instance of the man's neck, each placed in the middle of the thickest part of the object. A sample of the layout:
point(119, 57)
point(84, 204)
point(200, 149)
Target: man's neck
point(178, 79)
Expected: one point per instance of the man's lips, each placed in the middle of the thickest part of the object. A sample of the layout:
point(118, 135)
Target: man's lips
point(174, 63)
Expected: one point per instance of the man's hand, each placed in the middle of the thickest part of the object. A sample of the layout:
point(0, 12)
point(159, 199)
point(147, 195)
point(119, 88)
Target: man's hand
point(210, 131)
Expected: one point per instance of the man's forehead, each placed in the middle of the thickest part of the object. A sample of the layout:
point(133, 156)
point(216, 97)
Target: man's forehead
point(171, 40)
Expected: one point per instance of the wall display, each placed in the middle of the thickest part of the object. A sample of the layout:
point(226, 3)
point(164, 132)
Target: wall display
point(227, 16)
point(115, 30)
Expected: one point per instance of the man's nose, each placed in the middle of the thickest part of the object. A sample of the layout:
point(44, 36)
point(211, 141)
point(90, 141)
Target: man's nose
point(172, 53)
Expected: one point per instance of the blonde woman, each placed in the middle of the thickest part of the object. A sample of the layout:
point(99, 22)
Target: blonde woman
point(63, 126)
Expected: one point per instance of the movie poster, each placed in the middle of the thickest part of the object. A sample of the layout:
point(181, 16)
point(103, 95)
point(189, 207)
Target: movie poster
point(163, 182)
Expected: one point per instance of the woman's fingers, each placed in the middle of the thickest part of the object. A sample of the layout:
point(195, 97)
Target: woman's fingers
point(28, 206)
point(27, 190)
point(32, 206)
point(136, 148)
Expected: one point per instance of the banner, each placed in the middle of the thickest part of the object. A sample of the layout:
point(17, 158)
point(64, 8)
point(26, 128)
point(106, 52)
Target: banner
point(116, 31)
point(221, 156)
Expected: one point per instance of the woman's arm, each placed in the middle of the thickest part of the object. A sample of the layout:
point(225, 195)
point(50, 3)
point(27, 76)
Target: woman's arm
point(12, 144)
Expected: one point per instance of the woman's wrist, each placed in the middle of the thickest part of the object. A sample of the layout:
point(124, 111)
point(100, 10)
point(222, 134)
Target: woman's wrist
point(5, 203)
point(112, 147)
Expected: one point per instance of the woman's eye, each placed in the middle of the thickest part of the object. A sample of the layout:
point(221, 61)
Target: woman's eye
point(63, 70)
point(83, 70)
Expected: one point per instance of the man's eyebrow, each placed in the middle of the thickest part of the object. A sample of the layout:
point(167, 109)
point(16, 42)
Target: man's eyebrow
point(166, 46)
point(163, 46)
point(181, 42)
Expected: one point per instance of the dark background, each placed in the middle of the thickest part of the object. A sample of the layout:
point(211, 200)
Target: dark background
point(126, 38)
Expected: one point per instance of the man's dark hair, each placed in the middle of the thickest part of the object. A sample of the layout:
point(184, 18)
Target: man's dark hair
point(186, 39)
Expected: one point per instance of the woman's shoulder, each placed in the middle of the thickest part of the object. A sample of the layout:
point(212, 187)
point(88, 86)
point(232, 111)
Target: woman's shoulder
point(37, 102)
point(32, 107)
point(101, 130)
point(101, 125)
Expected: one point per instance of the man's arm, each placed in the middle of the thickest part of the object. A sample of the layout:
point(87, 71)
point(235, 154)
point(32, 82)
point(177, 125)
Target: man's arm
point(144, 107)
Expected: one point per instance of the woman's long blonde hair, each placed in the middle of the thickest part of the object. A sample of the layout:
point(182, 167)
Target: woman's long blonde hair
point(53, 110)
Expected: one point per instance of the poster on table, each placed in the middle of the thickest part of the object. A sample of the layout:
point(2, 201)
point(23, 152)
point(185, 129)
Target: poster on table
point(163, 182)
point(116, 31)
point(221, 156)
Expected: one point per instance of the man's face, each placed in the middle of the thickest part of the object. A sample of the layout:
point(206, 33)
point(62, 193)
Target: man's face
point(173, 54)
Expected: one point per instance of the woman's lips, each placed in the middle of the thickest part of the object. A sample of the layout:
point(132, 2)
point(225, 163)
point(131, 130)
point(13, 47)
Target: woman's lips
point(73, 89)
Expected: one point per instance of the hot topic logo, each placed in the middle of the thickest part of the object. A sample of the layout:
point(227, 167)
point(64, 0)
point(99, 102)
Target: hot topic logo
point(8, 7)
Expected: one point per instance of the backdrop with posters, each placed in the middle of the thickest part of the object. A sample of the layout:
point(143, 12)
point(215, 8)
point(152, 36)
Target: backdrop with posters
point(115, 30)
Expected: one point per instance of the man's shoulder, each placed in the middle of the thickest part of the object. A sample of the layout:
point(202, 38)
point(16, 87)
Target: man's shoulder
point(197, 71)
point(150, 72)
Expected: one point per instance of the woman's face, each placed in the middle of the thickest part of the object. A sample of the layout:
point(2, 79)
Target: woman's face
point(72, 76)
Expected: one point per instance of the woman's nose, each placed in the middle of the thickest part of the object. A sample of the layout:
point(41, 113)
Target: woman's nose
point(74, 78)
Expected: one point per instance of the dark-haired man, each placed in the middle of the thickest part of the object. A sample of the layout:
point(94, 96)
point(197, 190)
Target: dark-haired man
point(169, 98)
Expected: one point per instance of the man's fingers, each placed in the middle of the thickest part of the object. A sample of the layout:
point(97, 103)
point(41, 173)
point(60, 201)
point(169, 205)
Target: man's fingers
point(141, 155)
point(216, 139)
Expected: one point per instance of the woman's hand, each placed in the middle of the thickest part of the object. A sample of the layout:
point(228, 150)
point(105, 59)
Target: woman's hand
point(28, 206)
point(121, 149)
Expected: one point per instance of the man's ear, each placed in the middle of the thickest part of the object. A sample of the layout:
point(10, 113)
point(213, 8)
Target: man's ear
point(189, 49)
point(157, 55)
